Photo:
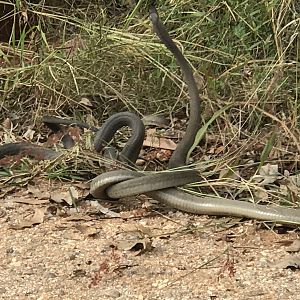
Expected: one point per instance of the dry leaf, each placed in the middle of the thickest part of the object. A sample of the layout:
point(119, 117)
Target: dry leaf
point(75, 133)
point(137, 230)
point(24, 15)
point(219, 150)
point(88, 231)
point(228, 173)
point(295, 179)
point(37, 218)
point(7, 124)
point(159, 142)
point(37, 192)
point(73, 194)
point(160, 154)
point(139, 246)
point(70, 196)
point(152, 140)
point(29, 134)
point(57, 197)
point(261, 194)
point(136, 213)
point(291, 261)
point(267, 174)
point(294, 247)
point(85, 101)
point(73, 45)
point(268, 169)
point(146, 231)
point(292, 185)
point(107, 211)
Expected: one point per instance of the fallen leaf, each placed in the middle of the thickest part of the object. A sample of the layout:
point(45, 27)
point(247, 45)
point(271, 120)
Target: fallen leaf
point(29, 134)
point(160, 154)
point(75, 133)
point(295, 179)
point(37, 218)
point(57, 197)
point(107, 212)
point(163, 154)
point(37, 192)
point(292, 185)
point(24, 16)
point(261, 194)
point(53, 139)
point(139, 246)
point(228, 173)
point(152, 140)
point(219, 150)
point(88, 231)
point(145, 231)
point(137, 213)
point(159, 142)
point(289, 262)
point(7, 124)
point(294, 247)
point(70, 196)
point(73, 45)
point(267, 174)
point(74, 195)
point(85, 101)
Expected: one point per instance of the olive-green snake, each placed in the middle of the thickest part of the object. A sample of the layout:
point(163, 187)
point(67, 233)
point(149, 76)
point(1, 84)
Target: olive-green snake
point(122, 183)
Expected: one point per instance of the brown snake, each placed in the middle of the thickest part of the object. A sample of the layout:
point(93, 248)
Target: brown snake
point(129, 153)
point(121, 183)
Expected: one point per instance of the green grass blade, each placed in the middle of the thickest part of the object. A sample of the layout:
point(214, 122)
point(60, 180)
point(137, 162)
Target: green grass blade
point(204, 128)
point(133, 13)
point(267, 149)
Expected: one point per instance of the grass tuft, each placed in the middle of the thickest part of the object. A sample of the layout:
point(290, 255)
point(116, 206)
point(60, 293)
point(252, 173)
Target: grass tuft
point(245, 56)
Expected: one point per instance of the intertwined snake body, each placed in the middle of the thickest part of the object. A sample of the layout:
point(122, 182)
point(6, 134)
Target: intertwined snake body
point(120, 183)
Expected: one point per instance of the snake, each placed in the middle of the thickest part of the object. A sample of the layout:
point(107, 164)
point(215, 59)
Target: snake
point(123, 183)
point(29, 149)
point(179, 156)
point(160, 186)
point(104, 134)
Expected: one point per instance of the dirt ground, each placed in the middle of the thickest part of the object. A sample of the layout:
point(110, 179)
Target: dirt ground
point(136, 250)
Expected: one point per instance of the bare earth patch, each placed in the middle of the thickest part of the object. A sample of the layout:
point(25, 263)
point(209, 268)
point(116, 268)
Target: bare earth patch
point(76, 254)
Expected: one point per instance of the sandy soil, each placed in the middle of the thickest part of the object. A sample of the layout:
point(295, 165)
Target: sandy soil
point(140, 253)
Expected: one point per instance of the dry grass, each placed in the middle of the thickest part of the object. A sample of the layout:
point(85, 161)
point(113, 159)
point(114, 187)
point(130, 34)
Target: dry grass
point(245, 57)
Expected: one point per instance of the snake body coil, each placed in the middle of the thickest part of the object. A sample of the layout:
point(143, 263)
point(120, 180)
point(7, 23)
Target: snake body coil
point(129, 153)
point(112, 184)
point(121, 183)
